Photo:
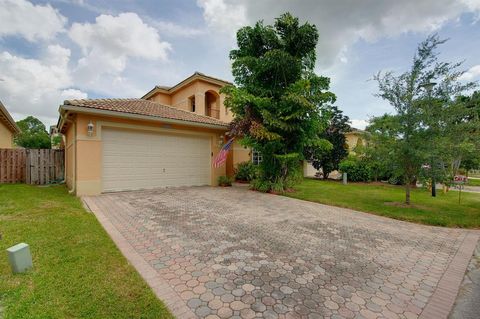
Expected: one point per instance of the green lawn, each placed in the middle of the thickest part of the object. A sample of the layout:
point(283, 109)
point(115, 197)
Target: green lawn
point(473, 182)
point(78, 271)
point(386, 200)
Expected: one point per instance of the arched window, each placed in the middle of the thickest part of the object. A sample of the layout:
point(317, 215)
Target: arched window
point(212, 104)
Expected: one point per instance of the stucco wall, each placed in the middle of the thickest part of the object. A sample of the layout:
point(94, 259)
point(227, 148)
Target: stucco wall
point(309, 170)
point(88, 166)
point(241, 154)
point(162, 98)
point(238, 154)
point(352, 140)
point(6, 136)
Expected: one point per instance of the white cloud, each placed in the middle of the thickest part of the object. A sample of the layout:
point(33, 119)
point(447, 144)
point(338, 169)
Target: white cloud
point(107, 45)
point(176, 30)
point(37, 86)
point(223, 16)
point(360, 124)
point(472, 73)
point(122, 35)
point(341, 23)
point(33, 22)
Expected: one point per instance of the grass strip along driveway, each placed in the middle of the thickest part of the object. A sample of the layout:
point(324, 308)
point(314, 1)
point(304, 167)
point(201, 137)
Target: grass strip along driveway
point(387, 200)
point(78, 271)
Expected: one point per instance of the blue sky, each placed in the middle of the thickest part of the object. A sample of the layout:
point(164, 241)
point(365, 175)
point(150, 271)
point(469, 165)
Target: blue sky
point(55, 50)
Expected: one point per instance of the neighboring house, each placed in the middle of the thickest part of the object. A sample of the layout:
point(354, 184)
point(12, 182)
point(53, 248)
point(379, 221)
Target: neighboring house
point(8, 128)
point(55, 138)
point(169, 137)
point(353, 138)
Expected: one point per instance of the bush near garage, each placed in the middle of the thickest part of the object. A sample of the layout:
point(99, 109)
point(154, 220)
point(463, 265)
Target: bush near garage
point(246, 171)
point(224, 181)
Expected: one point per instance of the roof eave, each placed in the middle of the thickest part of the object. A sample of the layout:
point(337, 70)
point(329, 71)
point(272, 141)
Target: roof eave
point(14, 127)
point(87, 110)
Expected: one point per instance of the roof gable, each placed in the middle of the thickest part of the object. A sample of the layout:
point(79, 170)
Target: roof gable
point(194, 77)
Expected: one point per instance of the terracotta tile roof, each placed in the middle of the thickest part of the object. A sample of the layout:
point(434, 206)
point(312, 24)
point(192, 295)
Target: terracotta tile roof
point(144, 107)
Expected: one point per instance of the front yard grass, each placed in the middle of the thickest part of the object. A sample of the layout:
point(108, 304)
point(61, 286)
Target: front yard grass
point(387, 200)
point(473, 182)
point(78, 271)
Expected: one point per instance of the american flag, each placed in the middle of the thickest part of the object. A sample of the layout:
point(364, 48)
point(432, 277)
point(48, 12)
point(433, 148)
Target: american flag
point(222, 155)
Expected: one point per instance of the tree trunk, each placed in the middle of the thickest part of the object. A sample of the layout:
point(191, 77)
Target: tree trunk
point(407, 193)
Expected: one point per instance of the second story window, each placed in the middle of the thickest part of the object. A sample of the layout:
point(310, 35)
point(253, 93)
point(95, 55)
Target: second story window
point(192, 103)
point(256, 157)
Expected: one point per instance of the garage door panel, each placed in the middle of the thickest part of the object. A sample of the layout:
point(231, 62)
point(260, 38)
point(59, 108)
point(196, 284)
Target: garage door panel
point(139, 160)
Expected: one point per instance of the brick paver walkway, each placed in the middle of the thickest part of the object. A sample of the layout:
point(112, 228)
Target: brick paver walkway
point(233, 253)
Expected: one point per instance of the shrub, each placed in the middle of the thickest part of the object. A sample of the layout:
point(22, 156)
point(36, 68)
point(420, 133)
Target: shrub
point(277, 187)
point(224, 181)
point(295, 177)
point(260, 185)
point(246, 171)
point(356, 169)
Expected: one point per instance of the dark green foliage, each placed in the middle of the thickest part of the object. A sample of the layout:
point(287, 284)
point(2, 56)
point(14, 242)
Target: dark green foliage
point(33, 134)
point(294, 177)
point(224, 181)
point(357, 169)
point(56, 140)
point(246, 171)
point(328, 161)
point(278, 99)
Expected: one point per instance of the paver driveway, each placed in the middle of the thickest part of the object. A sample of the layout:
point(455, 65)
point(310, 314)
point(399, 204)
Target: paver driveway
point(231, 252)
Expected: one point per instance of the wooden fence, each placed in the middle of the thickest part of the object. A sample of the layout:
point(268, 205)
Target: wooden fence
point(12, 165)
point(31, 166)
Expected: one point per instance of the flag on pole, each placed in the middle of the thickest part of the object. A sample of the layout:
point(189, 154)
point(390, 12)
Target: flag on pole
point(222, 155)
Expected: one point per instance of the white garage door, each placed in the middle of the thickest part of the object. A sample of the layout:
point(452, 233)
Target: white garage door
point(142, 160)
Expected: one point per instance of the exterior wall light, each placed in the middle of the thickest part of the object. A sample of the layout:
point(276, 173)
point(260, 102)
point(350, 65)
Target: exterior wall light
point(90, 128)
point(220, 141)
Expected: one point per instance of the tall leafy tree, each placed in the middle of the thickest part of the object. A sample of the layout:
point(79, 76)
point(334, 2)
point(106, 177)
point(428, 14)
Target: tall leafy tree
point(33, 134)
point(417, 128)
point(278, 99)
point(328, 161)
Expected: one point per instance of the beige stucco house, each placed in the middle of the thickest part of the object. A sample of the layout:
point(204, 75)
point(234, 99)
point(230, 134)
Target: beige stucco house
point(355, 138)
point(8, 128)
point(167, 138)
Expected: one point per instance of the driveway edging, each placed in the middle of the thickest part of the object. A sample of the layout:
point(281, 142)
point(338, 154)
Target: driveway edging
point(160, 287)
point(441, 303)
